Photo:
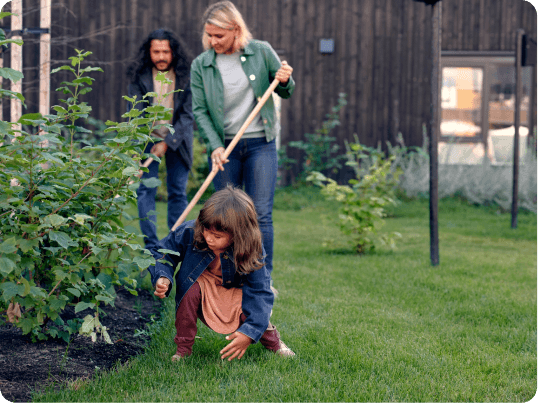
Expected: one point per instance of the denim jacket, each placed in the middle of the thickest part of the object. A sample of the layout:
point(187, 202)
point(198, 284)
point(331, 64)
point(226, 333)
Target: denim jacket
point(260, 63)
point(257, 295)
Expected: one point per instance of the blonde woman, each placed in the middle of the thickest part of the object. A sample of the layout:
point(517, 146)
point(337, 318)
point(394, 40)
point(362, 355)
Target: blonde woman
point(226, 82)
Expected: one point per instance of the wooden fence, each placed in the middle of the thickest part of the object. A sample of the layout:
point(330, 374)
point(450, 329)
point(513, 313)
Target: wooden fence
point(381, 57)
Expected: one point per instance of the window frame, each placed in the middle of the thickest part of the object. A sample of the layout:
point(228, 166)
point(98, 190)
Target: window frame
point(486, 61)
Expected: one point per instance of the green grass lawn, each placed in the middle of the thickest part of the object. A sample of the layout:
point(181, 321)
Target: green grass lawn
point(382, 327)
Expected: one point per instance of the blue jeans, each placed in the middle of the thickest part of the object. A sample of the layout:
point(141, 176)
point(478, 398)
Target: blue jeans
point(177, 174)
point(253, 164)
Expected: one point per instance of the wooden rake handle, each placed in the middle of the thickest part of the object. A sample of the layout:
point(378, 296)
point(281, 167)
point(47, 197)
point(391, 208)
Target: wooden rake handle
point(146, 164)
point(227, 153)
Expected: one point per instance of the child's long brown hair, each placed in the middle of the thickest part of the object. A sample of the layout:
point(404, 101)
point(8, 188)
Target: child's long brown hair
point(231, 210)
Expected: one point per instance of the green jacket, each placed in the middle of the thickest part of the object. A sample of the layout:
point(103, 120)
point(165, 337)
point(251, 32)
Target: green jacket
point(260, 63)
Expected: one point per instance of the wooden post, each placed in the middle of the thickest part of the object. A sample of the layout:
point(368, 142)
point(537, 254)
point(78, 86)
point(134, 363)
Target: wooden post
point(434, 132)
point(16, 58)
point(517, 123)
point(44, 59)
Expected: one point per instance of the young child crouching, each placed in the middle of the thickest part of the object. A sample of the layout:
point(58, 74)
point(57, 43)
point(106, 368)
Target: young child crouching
point(222, 280)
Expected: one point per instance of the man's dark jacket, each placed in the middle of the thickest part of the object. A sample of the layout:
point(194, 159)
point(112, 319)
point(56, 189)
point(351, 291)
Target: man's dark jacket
point(182, 120)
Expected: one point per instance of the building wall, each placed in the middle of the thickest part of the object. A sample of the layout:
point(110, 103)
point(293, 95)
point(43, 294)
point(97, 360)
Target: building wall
point(381, 57)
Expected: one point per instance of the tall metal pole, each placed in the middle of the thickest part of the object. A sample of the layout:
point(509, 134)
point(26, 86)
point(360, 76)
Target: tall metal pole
point(517, 123)
point(434, 132)
point(44, 59)
point(16, 57)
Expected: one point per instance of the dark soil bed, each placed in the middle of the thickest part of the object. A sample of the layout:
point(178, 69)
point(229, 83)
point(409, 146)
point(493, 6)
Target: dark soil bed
point(27, 366)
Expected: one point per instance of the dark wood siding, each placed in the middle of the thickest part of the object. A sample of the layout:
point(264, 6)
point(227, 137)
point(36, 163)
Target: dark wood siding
point(381, 58)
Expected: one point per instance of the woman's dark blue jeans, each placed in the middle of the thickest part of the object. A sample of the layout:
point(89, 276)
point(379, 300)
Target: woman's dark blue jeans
point(253, 165)
point(177, 174)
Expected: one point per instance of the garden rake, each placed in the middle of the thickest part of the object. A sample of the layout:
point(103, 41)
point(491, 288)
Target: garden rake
point(227, 152)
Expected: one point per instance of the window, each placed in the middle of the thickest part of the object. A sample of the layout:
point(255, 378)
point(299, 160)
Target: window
point(478, 106)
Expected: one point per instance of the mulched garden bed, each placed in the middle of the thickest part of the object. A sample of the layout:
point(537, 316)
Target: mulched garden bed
point(27, 366)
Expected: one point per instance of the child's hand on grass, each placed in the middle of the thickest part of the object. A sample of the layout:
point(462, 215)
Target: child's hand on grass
point(161, 287)
point(237, 347)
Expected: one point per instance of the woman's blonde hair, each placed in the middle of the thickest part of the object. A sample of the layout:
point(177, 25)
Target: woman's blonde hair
point(224, 15)
point(232, 211)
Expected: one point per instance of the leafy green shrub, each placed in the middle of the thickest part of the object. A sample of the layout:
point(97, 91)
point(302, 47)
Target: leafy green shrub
point(320, 152)
point(365, 199)
point(62, 241)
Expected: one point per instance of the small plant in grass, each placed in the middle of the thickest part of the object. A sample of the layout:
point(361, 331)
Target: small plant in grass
point(365, 200)
point(321, 154)
point(62, 240)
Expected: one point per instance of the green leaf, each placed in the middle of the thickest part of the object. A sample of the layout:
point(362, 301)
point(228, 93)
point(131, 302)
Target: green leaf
point(8, 246)
point(106, 336)
point(62, 238)
point(50, 157)
point(6, 266)
point(69, 68)
point(81, 218)
point(104, 298)
point(19, 42)
point(54, 220)
point(83, 305)
point(88, 324)
point(37, 292)
point(60, 274)
point(105, 279)
point(5, 14)
point(10, 290)
point(26, 263)
point(156, 108)
point(90, 69)
point(129, 171)
point(144, 262)
point(26, 285)
point(57, 304)
point(4, 128)
point(11, 74)
point(11, 94)
point(81, 129)
point(27, 324)
point(140, 121)
point(53, 332)
point(83, 80)
point(121, 140)
point(133, 113)
point(74, 291)
point(60, 109)
point(168, 251)
point(52, 250)
point(151, 182)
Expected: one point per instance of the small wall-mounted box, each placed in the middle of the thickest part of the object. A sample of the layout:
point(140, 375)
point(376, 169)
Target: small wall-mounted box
point(326, 46)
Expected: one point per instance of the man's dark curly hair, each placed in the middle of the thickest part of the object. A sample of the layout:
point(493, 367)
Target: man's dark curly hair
point(181, 61)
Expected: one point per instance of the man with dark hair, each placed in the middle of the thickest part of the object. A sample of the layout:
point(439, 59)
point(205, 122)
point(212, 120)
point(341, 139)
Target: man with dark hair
point(162, 52)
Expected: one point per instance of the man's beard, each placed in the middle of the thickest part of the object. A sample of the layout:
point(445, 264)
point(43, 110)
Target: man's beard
point(167, 68)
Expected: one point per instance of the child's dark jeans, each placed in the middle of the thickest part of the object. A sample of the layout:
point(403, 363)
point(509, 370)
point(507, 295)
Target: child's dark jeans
point(190, 309)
